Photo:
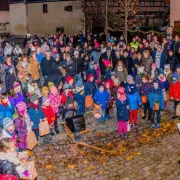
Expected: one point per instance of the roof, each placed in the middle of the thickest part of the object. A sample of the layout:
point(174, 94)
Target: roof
point(32, 1)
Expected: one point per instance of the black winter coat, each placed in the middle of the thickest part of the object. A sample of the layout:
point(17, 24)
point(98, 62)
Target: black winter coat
point(172, 60)
point(9, 80)
point(8, 168)
point(47, 66)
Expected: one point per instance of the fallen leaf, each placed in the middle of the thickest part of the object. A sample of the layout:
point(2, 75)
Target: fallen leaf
point(128, 158)
point(29, 153)
point(100, 172)
point(90, 168)
point(49, 166)
point(138, 153)
point(71, 166)
point(85, 162)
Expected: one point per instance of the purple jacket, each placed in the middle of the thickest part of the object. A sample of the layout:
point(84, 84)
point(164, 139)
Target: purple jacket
point(14, 101)
point(20, 126)
point(145, 89)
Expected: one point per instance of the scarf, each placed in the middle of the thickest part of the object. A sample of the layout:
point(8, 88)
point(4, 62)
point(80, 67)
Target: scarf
point(11, 157)
point(32, 105)
point(120, 69)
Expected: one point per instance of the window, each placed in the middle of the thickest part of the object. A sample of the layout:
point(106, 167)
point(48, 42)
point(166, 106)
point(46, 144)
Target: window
point(45, 8)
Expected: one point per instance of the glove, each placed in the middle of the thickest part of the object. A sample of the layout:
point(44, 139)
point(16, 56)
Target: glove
point(140, 105)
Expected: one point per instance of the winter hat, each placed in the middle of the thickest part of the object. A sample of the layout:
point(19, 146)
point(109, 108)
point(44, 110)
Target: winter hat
point(45, 91)
point(100, 84)
point(50, 84)
point(108, 82)
point(21, 107)
point(44, 100)
point(129, 78)
point(7, 122)
point(69, 78)
point(121, 91)
point(175, 77)
point(177, 66)
point(156, 81)
point(116, 80)
point(57, 56)
point(112, 74)
point(154, 65)
point(89, 77)
point(33, 97)
point(66, 86)
point(161, 71)
point(107, 63)
point(76, 53)
point(79, 83)
point(16, 84)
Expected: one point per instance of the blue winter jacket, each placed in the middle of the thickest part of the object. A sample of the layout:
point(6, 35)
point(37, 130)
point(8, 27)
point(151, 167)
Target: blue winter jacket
point(156, 94)
point(35, 116)
point(90, 88)
point(134, 100)
point(6, 111)
point(79, 97)
point(122, 111)
point(101, 98)
point(164, 85)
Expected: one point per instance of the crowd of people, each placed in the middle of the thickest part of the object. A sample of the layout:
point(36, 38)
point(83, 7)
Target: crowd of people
point(55, 77)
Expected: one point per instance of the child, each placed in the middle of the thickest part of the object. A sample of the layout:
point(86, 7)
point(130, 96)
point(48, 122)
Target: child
point(91, 70)
point(175, 92)
point(21, 126)
point(167, 72)
point(35, 113)
point(101, 97)
point(48, 112)
point(108, 69)
point(144, 91)
point(64, 97)
point(15, 98)
point(37, 89)
point(55, 101)
point(156, 98)
point(122, 111)
point(98, 71)
point(163, 82)
point(79, 98)
point(70, 81)
point(45, 91)
point(6, 109)
point(134, 100)
point(178, 69)
point(154, 72)
point(8, 129)
point(138, 79)
point(90, 86)
point(9, 78)
point(121, 72)
point(10, 164)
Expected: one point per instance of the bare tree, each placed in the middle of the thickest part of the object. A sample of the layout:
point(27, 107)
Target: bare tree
point(115, 15)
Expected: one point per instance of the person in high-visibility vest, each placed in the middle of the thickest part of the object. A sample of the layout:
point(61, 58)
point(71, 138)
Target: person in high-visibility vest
point(134, 44)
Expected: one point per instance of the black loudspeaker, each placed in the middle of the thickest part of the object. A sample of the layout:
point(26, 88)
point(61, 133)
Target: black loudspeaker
point(68, 8)
point(60, 29)
point(76, 123)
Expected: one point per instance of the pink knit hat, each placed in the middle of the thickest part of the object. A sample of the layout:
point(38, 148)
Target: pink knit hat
point(21, 107)
point(107, 63)
point(16, 84)
point(154, 65)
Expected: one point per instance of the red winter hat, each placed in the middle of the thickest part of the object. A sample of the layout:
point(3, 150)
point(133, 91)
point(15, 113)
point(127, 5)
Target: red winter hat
point(8, 177)
point(69, 78)
point(107, 63)
point(108, 82)
point(89, 77)
point(121, 90)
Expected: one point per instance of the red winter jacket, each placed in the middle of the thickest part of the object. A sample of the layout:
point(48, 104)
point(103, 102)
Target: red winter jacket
point(175, 91)
point(49, 114)
point(64, 97)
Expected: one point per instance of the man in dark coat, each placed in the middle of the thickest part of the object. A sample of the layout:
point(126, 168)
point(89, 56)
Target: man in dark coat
point(172, 60)
point(47, 64)
point(127, 60)
point(175, 44)
point(105, 56)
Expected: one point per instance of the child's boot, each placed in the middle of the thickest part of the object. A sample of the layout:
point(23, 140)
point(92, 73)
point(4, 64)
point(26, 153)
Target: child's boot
point(56, 130)
point(52, 133)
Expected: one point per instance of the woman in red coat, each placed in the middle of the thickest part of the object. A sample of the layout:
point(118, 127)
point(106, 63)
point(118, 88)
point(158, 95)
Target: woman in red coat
point(175, 92)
